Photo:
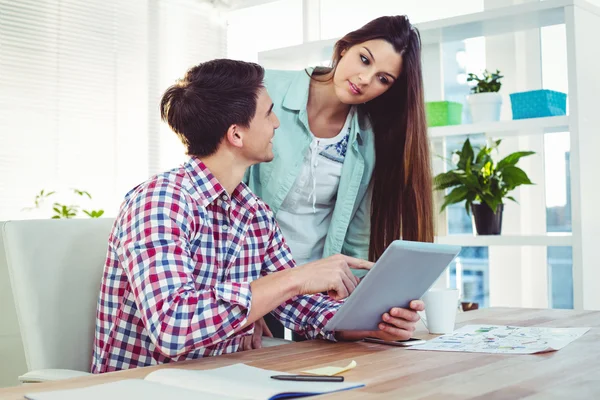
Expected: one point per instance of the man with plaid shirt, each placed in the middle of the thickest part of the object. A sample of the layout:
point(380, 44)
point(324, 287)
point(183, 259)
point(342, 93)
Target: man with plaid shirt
point(195, 259)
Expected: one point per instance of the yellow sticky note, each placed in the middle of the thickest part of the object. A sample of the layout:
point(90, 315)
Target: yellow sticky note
point(330, 371)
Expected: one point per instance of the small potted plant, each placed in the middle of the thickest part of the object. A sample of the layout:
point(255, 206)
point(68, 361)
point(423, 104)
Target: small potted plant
point(482, 184)
point(484, 100)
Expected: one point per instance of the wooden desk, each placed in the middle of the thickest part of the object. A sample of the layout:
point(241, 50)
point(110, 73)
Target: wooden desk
point(394, 373)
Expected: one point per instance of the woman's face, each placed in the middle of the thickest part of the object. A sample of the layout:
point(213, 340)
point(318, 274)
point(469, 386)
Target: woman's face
point(366, 70)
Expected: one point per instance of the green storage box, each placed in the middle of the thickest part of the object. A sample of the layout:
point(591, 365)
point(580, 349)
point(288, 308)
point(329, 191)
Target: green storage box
point(442, 113)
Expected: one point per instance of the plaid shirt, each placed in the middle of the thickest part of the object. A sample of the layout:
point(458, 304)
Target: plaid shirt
point(176, 283)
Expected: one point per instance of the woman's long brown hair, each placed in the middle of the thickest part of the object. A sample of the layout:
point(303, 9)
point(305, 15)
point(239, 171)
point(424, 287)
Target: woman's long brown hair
point(402, 202)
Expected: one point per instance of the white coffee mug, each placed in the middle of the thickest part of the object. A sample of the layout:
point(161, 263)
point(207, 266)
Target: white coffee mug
point(440, 310)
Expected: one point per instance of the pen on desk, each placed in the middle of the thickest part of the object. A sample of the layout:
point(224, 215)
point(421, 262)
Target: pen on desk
point(308, 378)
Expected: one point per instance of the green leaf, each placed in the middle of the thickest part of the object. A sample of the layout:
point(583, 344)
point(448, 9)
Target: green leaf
point(445, 180)
point(448, 185)
point(83, 193)
point(491, 202)
point(466, 154)
point(484, 155)
point(514, 176)
point(513, 158)
point(455, 196)
point(487, 170)
point(93, 213)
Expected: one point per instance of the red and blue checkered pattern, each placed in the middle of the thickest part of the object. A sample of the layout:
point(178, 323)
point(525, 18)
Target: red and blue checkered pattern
point(176, 283)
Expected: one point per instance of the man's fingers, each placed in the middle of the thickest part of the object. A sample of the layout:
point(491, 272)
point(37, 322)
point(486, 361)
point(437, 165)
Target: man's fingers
point(245, 344)
point(349, 282)
point(350, 275)
point(266, 330)
point(339, 292)
point(256, 342)
point(357, 263)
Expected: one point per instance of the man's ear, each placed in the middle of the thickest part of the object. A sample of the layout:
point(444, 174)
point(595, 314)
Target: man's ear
point(235, 136)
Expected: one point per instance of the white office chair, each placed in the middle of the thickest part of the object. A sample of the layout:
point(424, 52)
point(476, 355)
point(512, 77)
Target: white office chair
point(55, 268)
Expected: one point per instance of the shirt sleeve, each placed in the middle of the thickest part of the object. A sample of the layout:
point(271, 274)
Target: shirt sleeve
point(305, 314)
point(179, 314)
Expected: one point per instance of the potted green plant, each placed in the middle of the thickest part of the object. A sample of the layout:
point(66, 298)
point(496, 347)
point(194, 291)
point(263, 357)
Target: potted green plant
point(65, 211)
point(484, 100)
point(482, 184)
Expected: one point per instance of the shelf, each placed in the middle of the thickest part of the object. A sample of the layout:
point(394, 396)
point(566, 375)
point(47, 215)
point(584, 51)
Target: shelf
point(241, 4)
point(518, 127)
point(550, 239)
point(500, 20)
point(487, 23)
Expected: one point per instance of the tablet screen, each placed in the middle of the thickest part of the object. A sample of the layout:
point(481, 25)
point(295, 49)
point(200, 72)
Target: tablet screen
point(404, 272)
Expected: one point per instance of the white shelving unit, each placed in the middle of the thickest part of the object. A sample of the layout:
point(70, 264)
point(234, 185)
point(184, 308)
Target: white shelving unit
point(487, 23)
point(550, 239)
point(518, 264)
point(519, 127)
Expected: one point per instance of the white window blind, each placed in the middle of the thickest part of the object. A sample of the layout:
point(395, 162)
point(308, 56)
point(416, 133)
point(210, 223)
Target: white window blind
point(80, 84)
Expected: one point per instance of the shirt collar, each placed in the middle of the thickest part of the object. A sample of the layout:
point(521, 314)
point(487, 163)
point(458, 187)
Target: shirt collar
point(296, 98)
point(210, 188)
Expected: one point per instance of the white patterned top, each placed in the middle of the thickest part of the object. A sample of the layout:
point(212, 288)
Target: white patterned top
point(305, 214)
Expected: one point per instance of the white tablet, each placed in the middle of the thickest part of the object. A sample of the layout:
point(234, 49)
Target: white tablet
point(404, 272)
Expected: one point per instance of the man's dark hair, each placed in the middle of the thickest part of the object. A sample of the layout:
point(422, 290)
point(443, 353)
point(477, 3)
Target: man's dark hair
point(210, 98)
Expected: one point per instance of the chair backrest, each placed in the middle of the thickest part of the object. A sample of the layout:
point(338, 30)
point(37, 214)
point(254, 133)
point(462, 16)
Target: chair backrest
point(11, 346)
point(55, 268)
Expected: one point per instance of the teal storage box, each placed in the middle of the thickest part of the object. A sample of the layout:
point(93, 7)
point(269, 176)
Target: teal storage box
point(538, 103)
point(442, 113)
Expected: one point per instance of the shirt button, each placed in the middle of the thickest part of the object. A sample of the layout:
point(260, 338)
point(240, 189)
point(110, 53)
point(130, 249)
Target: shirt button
point(224, 197)
point(225, 227)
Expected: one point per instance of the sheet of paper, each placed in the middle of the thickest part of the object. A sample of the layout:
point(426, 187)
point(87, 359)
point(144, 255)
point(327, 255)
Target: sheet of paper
point(126, 390)
point(330, 371)
point(503, 339)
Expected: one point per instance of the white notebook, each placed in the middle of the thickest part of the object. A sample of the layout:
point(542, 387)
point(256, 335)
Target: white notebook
point(234, 382)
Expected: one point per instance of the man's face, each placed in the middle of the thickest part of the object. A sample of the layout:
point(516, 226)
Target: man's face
point(258, 146)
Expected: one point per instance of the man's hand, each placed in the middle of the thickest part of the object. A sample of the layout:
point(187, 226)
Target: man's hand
point(331, 275)
point(397, 324)
point(254, 341)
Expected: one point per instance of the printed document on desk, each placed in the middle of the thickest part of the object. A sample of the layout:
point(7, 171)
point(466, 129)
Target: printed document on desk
point(503, 339)
point(234, 382)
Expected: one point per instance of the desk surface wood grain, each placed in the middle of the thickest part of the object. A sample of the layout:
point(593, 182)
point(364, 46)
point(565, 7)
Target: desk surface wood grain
point(394, 373)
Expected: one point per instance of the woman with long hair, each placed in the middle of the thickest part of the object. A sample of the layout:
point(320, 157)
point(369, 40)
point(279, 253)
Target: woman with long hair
point(352, 167)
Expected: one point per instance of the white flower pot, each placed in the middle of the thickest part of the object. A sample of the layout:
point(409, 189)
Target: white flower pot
point(485, 107)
